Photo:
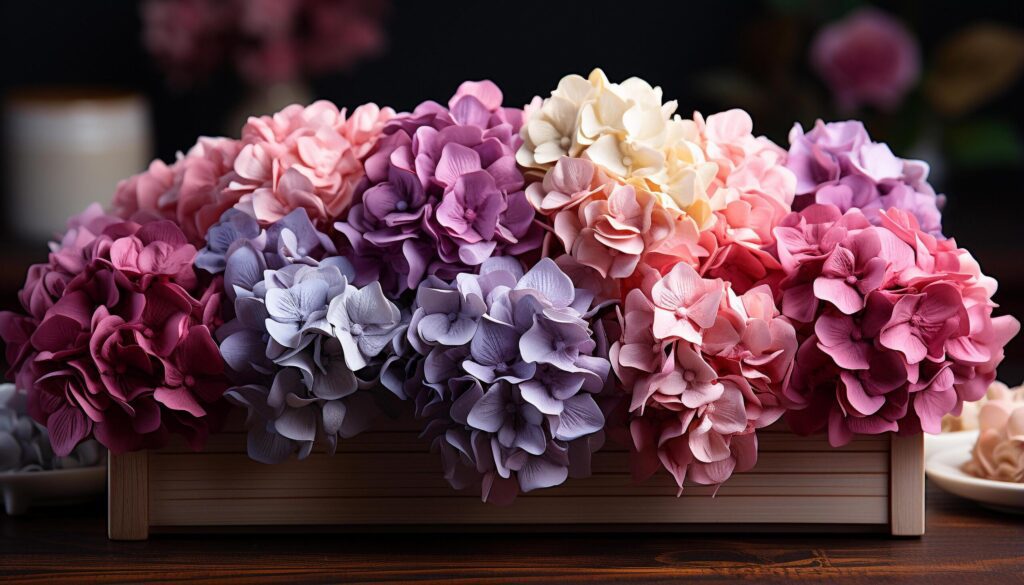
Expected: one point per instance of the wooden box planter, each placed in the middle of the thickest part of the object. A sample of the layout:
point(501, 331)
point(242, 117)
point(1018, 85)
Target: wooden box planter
point(388, 479)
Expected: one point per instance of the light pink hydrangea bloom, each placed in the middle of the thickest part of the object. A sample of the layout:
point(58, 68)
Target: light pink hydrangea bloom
point(700, 388)
point(191, 191)
point(309, 157)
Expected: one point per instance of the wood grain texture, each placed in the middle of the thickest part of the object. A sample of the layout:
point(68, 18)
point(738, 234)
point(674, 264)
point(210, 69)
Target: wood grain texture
point(128, 496)
point(965, 545)
point(906, 512)
point(387, 478)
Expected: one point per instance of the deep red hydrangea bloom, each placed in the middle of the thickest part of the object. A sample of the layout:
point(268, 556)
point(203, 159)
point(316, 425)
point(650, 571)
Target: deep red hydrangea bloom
point(116, 342)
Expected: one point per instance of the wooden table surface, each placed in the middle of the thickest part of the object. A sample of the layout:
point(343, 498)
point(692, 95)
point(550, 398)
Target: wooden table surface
point(964, 544)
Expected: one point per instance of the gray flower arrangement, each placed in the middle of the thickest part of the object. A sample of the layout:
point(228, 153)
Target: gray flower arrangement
point(324, 343)
point(25, 444)
point(507, 374)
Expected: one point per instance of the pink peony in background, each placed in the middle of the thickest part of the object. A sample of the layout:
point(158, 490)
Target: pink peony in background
point(868, 58)
point(263, 41)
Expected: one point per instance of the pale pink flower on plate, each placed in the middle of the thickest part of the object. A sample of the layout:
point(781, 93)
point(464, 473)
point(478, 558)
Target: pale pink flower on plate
point(685, 304)
point(999, 452)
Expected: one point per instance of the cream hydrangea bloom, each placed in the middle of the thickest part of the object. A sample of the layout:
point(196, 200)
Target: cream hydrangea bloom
point(629, 132)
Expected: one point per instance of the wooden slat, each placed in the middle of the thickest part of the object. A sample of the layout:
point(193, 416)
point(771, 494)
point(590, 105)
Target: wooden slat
point(128, 496)
point(545, 510)
point(907, 477)
point(404, 463)
point(171, 486)
point(383, 441)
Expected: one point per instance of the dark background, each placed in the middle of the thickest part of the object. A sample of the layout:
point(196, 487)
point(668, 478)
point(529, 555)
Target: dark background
point(526, 46)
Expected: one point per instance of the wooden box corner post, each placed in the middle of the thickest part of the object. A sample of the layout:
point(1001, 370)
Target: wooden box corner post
point(128, 496)
point(906, 485)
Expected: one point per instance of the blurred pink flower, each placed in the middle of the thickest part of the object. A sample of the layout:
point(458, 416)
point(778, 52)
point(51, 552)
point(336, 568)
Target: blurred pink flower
point(999, 452)
point(867, 58)
point(267, 41)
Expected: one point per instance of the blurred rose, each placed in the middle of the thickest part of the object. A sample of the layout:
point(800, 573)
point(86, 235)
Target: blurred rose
point(867, 58)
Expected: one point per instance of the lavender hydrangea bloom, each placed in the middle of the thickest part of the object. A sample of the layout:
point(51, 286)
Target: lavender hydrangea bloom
point(325, 345)
point(442, 193)
point(234, 226)
point(838, 164)
point(507, 375)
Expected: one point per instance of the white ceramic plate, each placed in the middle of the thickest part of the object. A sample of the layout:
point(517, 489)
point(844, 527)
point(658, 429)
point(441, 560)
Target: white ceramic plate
point(22, 490)
point(943, 466)
point(942, 442)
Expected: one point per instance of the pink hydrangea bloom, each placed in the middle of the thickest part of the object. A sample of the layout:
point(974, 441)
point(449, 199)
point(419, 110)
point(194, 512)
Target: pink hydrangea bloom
point(309, 157)
point(614, 226)
point(702, 382)
point(191, 191)
point(897, 328)
point(117, 342)
point(752, 192)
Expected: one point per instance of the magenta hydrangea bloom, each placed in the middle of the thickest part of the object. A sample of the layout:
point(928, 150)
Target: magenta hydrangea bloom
point(702, 367)
point(442, 193)
point(117, 341)
point(897, 325)
point(838, 164)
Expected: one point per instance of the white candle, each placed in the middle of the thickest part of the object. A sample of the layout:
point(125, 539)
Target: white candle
point(66, 150)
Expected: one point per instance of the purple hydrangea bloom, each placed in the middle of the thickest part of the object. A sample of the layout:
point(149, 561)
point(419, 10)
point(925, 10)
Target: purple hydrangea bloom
point(507, 374)
point(442, 193)
point(324, 344)
point(838, 164)
point(234, 226)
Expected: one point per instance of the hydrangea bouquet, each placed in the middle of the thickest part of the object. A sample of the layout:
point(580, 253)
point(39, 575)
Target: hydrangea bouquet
point(526, 282)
